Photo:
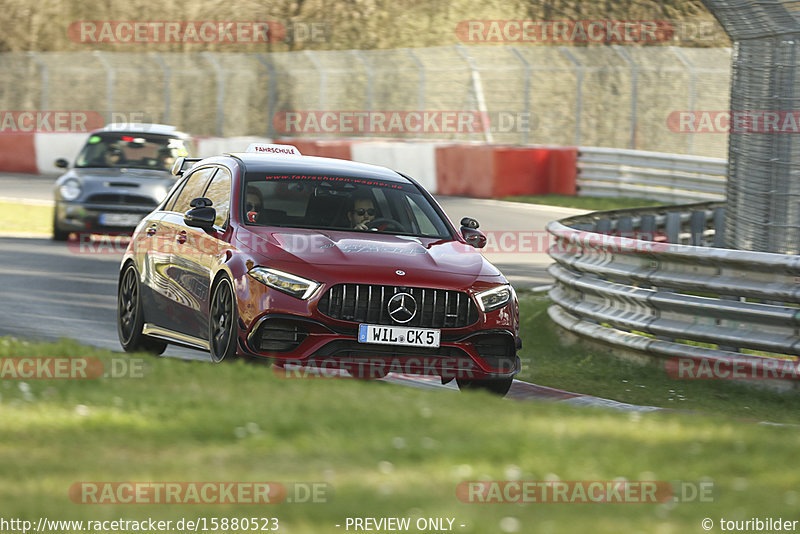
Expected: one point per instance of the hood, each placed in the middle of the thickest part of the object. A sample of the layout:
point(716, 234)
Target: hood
point(132, 174)
point(368, 255)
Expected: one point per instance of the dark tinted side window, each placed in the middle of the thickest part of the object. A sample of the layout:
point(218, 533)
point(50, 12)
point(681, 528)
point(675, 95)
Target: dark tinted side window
point(193, 188)
point(219, 191)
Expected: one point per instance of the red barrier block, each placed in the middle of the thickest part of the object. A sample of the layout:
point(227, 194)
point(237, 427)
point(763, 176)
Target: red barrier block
point(562, 171)
point(18, 153)
point(325, 148)
point(487, 171)
point(464, 170)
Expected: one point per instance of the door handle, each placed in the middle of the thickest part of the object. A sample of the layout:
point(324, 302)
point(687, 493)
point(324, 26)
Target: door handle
point(181, 237)
point(151, 230)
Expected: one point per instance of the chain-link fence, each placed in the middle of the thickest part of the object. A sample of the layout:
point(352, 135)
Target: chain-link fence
point(609, 96)
point(763, 190)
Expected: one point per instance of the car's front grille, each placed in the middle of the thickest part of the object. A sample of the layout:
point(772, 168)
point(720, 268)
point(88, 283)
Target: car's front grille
point(365, 303)
point(119, 198)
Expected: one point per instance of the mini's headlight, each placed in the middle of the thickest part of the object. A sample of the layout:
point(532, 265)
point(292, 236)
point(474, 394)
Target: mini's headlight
point(495, 298)
point(290, 284)
point(70, 190)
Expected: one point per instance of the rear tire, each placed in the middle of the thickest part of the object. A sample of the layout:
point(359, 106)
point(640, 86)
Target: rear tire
point(498, 386)
point(130, 316)
point(223, 330)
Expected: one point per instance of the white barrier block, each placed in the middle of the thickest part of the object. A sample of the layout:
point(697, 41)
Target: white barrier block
point(417, 160)
point(214, 146)
point(51, 146)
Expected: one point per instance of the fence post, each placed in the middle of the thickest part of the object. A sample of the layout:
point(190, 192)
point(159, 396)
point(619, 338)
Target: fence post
point(323, 77)
point(220, 90)
point(477, 88)
point(692, 88)
point(421, 86)
point(44, 96)
point(359, 55)
point(578, 92)
point(526, 108)
point(167, 80)
point(271, 94)
point(109, 84)
point(634, 90)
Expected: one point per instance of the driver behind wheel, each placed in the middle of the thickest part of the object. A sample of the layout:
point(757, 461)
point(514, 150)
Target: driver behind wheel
point(360, 212)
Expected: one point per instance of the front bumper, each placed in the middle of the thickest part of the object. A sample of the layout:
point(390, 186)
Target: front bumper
point(96, 218)
point(476, 354)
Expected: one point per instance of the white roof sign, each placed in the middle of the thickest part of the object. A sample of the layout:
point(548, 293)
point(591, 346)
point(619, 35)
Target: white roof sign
point(277, 150)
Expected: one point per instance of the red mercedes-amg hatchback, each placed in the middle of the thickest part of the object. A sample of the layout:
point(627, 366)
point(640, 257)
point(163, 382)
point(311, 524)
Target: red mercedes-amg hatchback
point(317, 262)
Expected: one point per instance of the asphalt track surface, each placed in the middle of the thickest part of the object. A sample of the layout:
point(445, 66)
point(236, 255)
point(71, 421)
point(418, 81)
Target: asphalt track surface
point(51, 291)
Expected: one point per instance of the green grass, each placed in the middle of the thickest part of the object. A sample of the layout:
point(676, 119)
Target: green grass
point(592, 371)
point(384, 451)
point(28, 218)
point(585, 203)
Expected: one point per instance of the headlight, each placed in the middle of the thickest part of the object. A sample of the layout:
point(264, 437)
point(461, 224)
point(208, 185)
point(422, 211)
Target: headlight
point(495, 298)
point(295, 286)
point(70, 190)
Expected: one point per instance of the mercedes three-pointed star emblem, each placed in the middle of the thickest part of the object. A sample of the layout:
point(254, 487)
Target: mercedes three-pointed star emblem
point(402, 307)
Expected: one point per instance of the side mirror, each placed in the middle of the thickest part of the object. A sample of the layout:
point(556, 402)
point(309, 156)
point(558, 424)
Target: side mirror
point(202, 215)
point(61, 163)
point(201, 202)
point(474, 237)
point(469, 222)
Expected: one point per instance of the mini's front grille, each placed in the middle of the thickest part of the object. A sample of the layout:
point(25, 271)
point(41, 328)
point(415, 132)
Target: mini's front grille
point(119, 198)
point(279, 335)
point(365, 303)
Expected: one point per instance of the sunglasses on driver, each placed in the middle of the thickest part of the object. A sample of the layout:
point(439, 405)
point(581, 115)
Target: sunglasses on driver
point(362, 211)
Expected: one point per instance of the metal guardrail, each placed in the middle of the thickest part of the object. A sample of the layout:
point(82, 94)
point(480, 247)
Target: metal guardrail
point(612, 172)
point(655, 280)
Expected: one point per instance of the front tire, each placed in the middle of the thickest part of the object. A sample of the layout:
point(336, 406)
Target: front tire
point(223, 332)
point(498, 386)
point(130, 316)
point(58, 235)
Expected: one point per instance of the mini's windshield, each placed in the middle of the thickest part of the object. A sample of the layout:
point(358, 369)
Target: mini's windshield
point(339, 203)
point(127, 150)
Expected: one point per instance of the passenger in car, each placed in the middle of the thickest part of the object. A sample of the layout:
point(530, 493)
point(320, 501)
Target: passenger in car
point(254, 203)
point(113, 156)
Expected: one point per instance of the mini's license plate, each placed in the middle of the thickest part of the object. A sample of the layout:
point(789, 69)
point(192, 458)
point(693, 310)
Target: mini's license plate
point(119, 219)
point(398, 335)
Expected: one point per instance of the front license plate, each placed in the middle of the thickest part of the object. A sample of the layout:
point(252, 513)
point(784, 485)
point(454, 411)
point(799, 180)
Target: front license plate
point(120, 219)
point(398, 335)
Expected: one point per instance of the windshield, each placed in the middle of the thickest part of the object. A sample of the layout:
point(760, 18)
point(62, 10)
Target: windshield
point(339, 203)
point(127, 150)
